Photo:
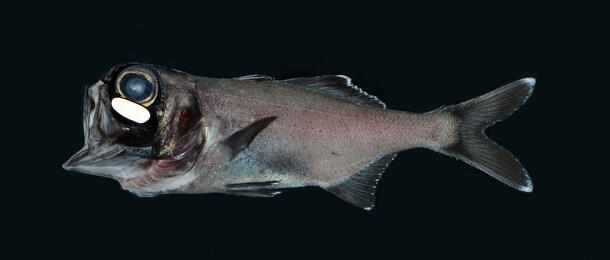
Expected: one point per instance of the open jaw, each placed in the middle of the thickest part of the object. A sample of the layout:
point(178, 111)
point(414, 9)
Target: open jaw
point(101, 155)
point(142, 176)
point(139, 169)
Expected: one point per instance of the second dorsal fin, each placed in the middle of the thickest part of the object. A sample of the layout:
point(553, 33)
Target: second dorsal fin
point(338, 86)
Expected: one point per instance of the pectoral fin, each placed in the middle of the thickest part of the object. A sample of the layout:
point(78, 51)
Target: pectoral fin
point(238, 141)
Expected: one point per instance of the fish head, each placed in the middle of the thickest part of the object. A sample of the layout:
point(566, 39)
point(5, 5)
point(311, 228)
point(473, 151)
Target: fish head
point(143, 127)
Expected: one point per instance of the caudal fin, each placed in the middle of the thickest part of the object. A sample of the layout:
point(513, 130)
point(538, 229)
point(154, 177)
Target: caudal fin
point(475, 148)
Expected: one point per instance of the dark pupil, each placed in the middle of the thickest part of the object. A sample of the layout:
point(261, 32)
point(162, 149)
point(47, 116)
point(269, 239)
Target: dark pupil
point(135, 87)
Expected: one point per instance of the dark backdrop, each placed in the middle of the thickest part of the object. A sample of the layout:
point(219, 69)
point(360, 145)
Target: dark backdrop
point(413, 57)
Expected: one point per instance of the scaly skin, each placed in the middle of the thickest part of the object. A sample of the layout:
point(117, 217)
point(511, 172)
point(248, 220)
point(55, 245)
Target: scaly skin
point(316, 139)
point(253, 135)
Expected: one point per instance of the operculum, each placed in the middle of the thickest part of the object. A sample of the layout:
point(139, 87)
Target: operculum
point(182, 141)
point(185, 129)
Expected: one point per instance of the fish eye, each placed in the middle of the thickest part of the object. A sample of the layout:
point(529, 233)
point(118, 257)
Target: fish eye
point(137, 84)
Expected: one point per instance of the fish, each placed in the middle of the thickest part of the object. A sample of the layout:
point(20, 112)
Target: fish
point(158, 130)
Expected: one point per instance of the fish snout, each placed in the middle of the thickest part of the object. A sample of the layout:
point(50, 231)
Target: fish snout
point(100, 155)
point(106, 160)
point(74, 161)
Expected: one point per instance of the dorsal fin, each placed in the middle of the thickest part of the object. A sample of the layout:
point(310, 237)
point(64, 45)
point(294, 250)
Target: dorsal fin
point(338, 86)
point(255, 77)
point(359, 189)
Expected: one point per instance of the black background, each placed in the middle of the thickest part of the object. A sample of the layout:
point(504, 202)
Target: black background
point(413, 57)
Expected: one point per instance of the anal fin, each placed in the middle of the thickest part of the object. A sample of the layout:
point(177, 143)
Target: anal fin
point(359, 189)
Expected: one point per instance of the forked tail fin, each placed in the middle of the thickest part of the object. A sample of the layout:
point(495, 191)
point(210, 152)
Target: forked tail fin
point(475, 148)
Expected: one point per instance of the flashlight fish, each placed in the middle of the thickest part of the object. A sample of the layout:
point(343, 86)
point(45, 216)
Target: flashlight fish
point(157, 130)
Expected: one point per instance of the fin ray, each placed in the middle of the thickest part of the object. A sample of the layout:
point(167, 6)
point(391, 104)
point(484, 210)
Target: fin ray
point(475, 148)
point(338, 86)
point(252, 184)
point(255, 77)
point(359, 189)
point(264, 193)
point(238, 141)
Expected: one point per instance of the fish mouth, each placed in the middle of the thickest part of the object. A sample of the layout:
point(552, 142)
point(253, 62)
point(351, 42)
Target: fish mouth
point(86, 157)
point(124, 151)
point(106, 160)
point(99, 156)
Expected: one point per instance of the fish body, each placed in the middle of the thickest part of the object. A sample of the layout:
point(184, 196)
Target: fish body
point(254, 135)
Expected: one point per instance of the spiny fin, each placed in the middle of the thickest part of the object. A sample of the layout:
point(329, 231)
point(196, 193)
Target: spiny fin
point(359, 189)
point(255, 77)
point(265, 193)
point(338, 86)
point(238, 141)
